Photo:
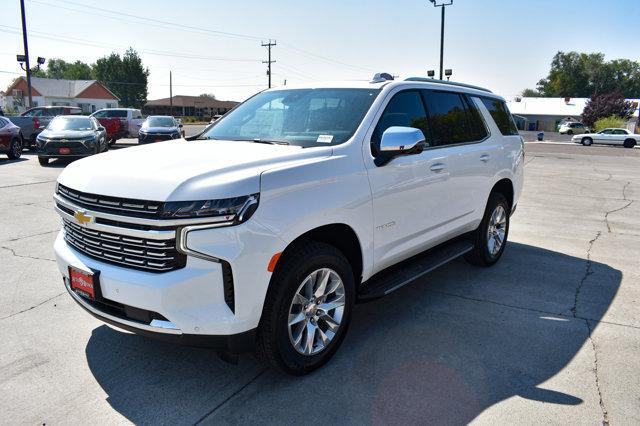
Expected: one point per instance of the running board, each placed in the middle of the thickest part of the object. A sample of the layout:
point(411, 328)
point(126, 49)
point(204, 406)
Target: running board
point(406, 272)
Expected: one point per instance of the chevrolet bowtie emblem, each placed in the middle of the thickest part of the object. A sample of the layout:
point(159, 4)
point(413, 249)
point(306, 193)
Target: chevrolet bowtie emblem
point(82, 218)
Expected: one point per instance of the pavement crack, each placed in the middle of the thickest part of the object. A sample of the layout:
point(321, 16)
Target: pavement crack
point(588, 271)
point(603, 408)
point(32, 307)
point(27, 184)
point(227, 399)
point(13, 252)
point(33, 235)
point(624, 197)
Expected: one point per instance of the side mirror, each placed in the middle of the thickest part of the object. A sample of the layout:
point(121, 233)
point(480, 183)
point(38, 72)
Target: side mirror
point(101, 128)
point(397, 140)
point(180, 125)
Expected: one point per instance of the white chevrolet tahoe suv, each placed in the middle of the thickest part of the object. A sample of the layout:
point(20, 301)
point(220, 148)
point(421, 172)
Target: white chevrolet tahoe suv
point(263, 231)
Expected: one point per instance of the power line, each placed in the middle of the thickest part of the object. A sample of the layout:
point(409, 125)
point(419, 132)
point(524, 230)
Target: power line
point(269, 61)
point(145, 20)
point(74, 40)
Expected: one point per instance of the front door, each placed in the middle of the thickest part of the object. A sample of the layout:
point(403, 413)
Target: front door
point(414, 196)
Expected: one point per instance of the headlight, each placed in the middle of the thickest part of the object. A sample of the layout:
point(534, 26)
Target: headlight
point(241, 208)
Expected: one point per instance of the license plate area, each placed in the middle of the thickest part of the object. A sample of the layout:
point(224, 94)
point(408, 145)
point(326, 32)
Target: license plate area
point(64, 151)
point(84, 284)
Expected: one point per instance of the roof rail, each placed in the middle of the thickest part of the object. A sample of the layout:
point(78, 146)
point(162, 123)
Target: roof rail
point(451, 83)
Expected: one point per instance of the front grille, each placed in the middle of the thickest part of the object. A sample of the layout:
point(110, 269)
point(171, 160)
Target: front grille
point(138, 253)
point(113, 205)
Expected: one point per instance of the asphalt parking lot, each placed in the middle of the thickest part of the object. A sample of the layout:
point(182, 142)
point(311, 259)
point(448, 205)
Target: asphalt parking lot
point(551, 334)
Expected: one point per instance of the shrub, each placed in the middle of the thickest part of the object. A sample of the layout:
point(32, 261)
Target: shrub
point(607, 122)
point(606, 105)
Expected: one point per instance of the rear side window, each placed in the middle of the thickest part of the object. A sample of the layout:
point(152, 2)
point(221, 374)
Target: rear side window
point(453, 120)
point(501, 115)
point(404, 109)
point(3, 122)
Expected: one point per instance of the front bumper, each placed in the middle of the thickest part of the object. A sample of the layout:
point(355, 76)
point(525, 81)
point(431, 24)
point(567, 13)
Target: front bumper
point(191, 299)
point(156, 137)
point(165, 331)
point(76, 149)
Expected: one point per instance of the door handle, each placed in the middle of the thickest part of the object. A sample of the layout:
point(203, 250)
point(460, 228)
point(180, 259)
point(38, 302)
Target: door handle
point(484, 158)
point(437, 167)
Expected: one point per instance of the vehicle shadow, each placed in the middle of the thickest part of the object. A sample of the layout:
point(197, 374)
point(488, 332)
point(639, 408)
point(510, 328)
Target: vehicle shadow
point(442, 350)
point(5, 160)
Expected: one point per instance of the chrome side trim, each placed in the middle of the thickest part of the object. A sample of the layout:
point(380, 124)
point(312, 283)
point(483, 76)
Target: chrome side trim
point(160, 223)
point(156, 326)
point(182, 240)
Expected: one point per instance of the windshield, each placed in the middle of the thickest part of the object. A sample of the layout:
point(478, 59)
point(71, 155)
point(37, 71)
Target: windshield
point(70, 123)
point(303, 117)
point(159, 122)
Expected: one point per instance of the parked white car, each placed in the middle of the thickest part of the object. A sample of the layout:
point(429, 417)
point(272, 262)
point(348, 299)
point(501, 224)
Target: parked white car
point(572, 128)
point(263, 231)
point(609, 137)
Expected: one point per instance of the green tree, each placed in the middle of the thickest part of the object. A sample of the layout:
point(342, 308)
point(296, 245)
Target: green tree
point(530, 93)
point(582, 75)
point(125, 76)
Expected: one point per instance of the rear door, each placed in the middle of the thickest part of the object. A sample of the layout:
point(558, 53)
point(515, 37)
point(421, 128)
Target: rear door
point(618, 136)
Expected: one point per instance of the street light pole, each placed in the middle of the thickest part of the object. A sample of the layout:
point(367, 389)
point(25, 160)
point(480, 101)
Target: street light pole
point(443, 5)
point(26, 51)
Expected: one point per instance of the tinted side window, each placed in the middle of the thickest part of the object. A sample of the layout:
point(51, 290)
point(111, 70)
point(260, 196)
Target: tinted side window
point(3, 122)
point(501, 115)
point(449, 118)
point(619, 132)
point(478, 129)
point(404, 109)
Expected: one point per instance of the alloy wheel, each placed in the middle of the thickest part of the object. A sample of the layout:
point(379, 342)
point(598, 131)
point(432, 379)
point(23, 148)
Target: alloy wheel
point(496, 230)
point(316, 311)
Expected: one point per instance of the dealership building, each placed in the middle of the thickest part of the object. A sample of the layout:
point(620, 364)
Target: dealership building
point(90, 95)
point(547, 114)
point(188, 106)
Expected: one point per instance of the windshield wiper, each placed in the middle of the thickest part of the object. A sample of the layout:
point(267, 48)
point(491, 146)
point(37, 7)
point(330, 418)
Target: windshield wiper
point(259, 140)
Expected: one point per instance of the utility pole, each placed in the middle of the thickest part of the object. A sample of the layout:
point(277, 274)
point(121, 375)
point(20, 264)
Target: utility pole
point(26, 52)
point(442, 5)
point(170, 95)
point(269, 61)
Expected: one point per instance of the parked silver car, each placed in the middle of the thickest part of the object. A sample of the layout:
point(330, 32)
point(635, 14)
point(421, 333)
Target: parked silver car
point(609, 137)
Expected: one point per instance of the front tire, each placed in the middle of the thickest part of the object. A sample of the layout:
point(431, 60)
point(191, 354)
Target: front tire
point(15, 149)
point(570, 132)
point(490, 239)
point(587, 141)
point(307, 309)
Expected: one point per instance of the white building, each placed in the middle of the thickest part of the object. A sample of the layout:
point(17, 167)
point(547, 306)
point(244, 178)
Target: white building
point(547, 114)
point(90, 95)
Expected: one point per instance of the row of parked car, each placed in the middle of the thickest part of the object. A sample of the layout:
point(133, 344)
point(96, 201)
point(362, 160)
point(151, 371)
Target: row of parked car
point(62, 131)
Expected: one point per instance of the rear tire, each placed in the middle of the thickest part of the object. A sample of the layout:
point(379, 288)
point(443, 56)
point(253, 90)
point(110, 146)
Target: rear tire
point(44, 161)
point(494, 228)
point(112, 141)
point(629, 143)
point(15, 149)
point(587, 141)
point(285, 312)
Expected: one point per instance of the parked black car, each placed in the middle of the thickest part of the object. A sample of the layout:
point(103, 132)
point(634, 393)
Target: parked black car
point(159, 128)
point(71, 136)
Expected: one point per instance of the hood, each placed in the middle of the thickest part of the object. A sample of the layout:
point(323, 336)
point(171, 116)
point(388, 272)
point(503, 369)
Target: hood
point(180, 170)
point(75, 134)
point(173, 129)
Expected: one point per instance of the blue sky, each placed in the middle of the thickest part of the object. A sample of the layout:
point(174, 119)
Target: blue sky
point(505, 45)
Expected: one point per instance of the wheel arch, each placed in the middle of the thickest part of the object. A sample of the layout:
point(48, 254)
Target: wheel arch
point(505, 187)
point(339, 235)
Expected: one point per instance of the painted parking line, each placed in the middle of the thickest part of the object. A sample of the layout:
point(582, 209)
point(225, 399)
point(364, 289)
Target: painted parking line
point(552, 143)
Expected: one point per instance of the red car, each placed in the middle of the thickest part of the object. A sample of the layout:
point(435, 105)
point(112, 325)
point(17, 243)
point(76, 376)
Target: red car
point(10, 139)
